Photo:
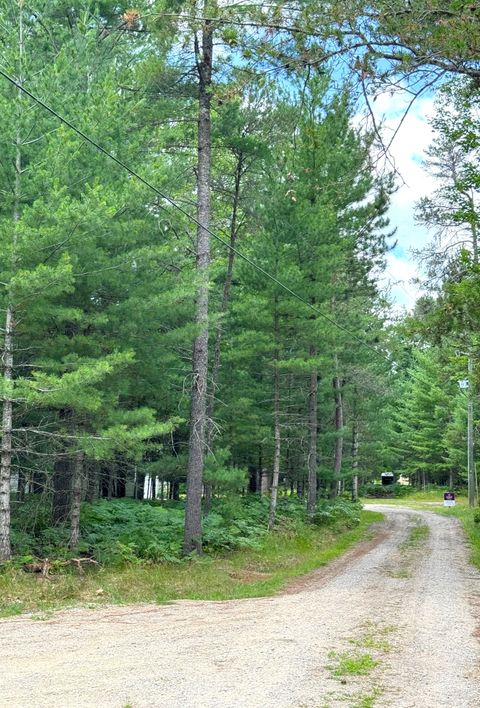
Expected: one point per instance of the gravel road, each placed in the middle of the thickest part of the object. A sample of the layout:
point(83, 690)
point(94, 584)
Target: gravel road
point(411, 608)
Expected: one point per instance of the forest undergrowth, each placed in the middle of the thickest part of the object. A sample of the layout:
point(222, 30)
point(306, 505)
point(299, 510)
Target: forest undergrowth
point(138, 549)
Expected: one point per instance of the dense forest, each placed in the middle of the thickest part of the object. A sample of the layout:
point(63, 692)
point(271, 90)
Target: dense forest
point(194, 226)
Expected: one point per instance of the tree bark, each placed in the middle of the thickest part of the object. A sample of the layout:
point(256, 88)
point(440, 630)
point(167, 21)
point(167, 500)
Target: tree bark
point(110, 471)
point(217, 348)
point(196, 450)
point(139, 486)
point(264, 482)
point(276, 424)
point(313, 434)
point(337, 465)
point(175, 490)
point(7, 412)
point(77, 477)
point(39, 483)
point(300, 488)
point(62, 489)
point(473, 230)
point(6, 453)
point(355, 461)
point(21, 482)
point(252, 478)
point(93, 481)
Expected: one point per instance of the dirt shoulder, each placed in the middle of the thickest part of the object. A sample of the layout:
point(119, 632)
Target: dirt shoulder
point(402, 612)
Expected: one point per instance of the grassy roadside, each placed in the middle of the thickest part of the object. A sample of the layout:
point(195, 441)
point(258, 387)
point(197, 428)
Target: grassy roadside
point(425, 500)
point(247, 573)
point(432, 500)
point(471, 527)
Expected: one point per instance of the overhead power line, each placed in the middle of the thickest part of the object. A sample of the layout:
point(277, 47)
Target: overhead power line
point(185, 213)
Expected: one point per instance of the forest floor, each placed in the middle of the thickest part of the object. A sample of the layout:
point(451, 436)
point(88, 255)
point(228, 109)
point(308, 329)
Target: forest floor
point(393, 622)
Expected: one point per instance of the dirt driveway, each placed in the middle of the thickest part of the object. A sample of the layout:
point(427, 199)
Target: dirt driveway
point(402, 610)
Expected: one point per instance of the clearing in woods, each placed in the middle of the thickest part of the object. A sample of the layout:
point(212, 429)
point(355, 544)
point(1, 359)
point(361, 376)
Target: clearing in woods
point(391, 623)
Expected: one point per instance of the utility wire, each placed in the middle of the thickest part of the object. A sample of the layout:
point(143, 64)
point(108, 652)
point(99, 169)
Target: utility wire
point(183, 211)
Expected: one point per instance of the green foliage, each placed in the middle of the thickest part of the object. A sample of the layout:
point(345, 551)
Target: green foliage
point(340, 511)
point(246, 573)
point(351, 663)
point(128, 531)
point(223, 477)
point(380, 491)
point(100, 273)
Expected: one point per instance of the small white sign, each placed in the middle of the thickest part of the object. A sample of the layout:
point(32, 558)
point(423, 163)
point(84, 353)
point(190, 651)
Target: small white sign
point(449, 502)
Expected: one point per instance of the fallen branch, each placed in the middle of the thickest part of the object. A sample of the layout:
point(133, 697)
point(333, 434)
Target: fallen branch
point(43, 567)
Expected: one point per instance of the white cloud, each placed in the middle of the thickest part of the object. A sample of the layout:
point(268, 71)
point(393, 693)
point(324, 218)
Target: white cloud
point(409, 134)
point(398, 281)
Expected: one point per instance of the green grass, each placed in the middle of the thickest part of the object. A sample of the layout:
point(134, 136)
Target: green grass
point(420, 499)
point(461, 511)
point(471, 527)
point(374, 637)
point(245, 573)
point(416, 538)
point(370, 648)
point(351, 663)
point(367, 700)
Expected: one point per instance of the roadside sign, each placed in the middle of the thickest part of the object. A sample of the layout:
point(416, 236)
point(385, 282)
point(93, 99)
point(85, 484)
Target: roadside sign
point(449, 499)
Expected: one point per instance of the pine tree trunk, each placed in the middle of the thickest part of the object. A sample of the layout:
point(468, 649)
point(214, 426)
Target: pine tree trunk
point(109, 473)
point(276, 424)
point(21, 482)
point(6, 453)
point(226, 289)
point(264, 482)
point(473, 229)
point(300, 488)
point(313, 434)
point(77, 477)
point(175, 490)
point(93, 481)
point(252, 478)
point(338, 459)
point(355, 461)
point(259, 470)
point(7, 412)
point(39, 483)
point(276, 461)
point(196, 450)
point(62, 490)
point(217, 348)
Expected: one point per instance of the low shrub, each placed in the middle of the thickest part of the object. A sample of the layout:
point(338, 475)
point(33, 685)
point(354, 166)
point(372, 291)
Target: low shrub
point(120, 531)
point(340, 511)
point(380, 491)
